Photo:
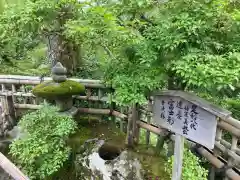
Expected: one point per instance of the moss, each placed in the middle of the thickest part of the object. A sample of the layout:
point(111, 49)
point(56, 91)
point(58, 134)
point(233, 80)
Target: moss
point(52, 89)
point(87, 121)
point(76, 140)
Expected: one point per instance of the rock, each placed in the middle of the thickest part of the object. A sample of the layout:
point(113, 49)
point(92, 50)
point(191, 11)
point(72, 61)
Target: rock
point(120, 165)
point(15, 133)
point(58, 69)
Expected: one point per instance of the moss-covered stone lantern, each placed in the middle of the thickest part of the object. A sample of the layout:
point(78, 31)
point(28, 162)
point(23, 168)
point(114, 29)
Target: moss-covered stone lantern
point(59, 89)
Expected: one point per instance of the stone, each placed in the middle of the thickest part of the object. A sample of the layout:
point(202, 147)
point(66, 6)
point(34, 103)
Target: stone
point(59, 69)
point(60, 89)
point(64, 103)
point(122, 165)
point(59, 79)
point(56, 90)
point(59, 73)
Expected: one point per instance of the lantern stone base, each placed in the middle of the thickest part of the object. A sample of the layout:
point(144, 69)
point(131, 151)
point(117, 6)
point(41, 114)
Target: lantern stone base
point(64, 103)
point(71, 112)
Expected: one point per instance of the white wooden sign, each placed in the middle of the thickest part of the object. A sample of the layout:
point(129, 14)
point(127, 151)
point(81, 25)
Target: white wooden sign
point(188, 116)
point(185, 118)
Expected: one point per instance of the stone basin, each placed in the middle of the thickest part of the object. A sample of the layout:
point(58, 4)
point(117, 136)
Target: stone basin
point(99, 153)
point(108, 162)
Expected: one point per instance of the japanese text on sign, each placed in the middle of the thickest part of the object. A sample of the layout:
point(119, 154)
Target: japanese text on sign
point(185, 118)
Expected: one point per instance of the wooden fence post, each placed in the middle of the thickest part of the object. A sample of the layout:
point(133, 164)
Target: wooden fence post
point(212, 170)
point(112, 105)
point(2, 115)
point(9, 120)
point(129, 138)
point(178, 157)
point(133, 128)
point(136, 117)
point(11, 110)
point(121, 121)
point(231, 161)
point(148, 114)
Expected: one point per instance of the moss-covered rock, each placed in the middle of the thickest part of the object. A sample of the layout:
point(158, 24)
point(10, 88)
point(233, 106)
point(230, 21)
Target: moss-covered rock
point(52, 89)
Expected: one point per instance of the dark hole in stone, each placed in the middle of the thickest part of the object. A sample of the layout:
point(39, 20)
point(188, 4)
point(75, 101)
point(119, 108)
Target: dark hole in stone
point(109, 152)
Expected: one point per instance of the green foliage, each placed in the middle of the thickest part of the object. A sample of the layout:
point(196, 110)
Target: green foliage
point(191, 169)
point(25, 26)
point(100, 34)
point(234, 106)
point(198, 43)
point(34, 63)
point(135, 46)
point(192, 44)
point(43, 150)
point(230, 103)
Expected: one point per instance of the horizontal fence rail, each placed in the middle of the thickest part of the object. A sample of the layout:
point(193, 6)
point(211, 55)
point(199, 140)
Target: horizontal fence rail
point(98, 101)
point(11, 169)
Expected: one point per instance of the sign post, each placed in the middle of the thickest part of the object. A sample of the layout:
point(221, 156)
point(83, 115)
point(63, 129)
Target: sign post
point(178, 157)
point(188, 116)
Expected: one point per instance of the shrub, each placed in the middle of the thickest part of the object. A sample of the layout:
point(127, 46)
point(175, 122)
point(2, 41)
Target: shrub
point(191, 170)
point(43, 150)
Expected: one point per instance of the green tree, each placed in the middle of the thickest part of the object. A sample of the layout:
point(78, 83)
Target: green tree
point(188, 45)
point(24, 26)
point(70, 29)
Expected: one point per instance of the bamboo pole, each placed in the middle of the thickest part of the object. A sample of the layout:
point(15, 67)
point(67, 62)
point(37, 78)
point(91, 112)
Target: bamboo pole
point(230, 153)
point(92, 98)
point(217, 163)
point(28, 94)
point(94, 111)
point(31, 80)
point(11, 169)
point(228, 145)
point(228, 127)
point(151, 128)
point(232, 159)
point(119, 115)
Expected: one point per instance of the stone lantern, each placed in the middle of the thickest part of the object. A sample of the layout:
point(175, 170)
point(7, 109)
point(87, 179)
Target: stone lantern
point(60, 89)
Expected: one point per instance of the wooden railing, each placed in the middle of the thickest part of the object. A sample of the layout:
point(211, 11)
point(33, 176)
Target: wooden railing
point(11, 169)
point(98, 101)
point(225, 154)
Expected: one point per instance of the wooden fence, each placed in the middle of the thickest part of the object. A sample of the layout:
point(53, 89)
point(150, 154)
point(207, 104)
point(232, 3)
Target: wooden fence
point(16, 94)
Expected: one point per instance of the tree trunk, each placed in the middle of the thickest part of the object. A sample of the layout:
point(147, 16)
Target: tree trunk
point(61, 49)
